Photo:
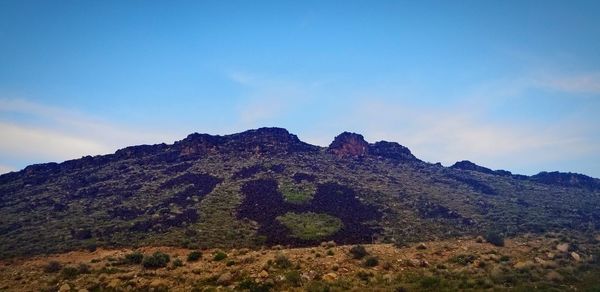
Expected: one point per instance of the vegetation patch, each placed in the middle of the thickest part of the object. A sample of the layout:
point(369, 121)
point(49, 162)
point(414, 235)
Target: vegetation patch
point(495, 238)
point(358, 252)
point(310, 226)
point(297, 193)
point(194, 256)
point(156, 260)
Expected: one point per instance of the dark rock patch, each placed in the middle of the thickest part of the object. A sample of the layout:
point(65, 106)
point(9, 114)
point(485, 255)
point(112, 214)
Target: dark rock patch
point(203, 183)
point(567, 180)
point(431, 210)
point(81, 234)
point(247, 172)
point(125, 213)
point(277, 168)
point(391, 150)
point(474, 184)
point(166, 220)
point(263, 203)
point(177, 168)
point(300, 176)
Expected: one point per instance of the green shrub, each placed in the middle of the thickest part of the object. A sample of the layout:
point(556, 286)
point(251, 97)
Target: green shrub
point(317, 286)
point(194, 256)
point(177, 263)
point(495, 238)
point(309, 225)
point(294, 278)
point(134, 258)
point(52, 267)
point(252, 286)
point(371, 261)
point(430, 282)
point(281, 261)
point(230, 263)
point(358, 252)
point(156, 260)
point(84, 268)
point(364, 276)
point(219, 256)
point(330, 252)
point(463, 259)
point(69, 272)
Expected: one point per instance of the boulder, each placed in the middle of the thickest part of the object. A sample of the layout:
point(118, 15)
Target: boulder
point(330, 277)
point(576, 256)
point(554, 276)
point(349, 145)
point(562, 247)
point(523, 265)
point(263, 274)
point(64, 288)
point(225, 279)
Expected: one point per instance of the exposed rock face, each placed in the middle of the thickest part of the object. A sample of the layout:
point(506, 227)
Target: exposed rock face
point(263, 140)
point(349, 145)
point(391, 150)
point(567, 179)
point(468, 165)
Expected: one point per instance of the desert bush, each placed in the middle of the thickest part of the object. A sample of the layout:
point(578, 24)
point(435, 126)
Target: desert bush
point(194, 256)
point(430, 283)
point(156, 260)
point(364, 276)
point(495, 238)
point(230, 263)
point(358, 252)
point(330, 252)
point(52, 267)
point(317, 286)
point(251, 285)
point(294, 278)
point(69, 272)
point(281, 261)
point(84, 268)
point(177, 263)
point(134, 258)
point(371, 261)
point(219, 256)
point(463, 259)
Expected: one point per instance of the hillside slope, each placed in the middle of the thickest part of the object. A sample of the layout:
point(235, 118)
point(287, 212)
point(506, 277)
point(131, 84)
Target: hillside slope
point(265, 186)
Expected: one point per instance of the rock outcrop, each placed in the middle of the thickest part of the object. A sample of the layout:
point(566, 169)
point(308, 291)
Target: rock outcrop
point(349, 144)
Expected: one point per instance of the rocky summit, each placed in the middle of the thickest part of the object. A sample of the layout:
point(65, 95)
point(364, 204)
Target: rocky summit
point(266, 187)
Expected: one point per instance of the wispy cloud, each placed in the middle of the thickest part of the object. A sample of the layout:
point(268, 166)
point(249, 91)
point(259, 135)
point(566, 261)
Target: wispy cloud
point(35, 133)
point(588, 82)
point(464, 131)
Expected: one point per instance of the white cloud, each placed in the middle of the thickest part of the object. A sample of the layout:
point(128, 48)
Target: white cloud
point(6, 169)
point(451, 134)
point(44, 133)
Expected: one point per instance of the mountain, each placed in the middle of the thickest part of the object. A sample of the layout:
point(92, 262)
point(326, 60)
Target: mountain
point(266, 187)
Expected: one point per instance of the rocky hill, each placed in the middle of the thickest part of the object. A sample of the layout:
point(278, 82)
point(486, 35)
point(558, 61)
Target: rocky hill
point(266, 187)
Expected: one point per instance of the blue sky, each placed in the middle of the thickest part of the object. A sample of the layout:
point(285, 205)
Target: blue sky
point(507, 84)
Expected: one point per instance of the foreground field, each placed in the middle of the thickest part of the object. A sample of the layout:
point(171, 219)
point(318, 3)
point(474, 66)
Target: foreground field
point(550, 261)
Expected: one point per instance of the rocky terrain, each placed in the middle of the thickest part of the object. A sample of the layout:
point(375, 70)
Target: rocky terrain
point(263, 188)
point(552, 262)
